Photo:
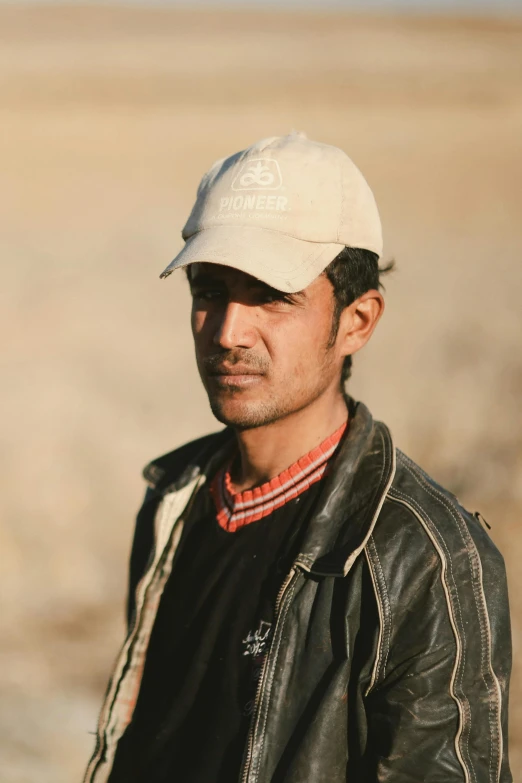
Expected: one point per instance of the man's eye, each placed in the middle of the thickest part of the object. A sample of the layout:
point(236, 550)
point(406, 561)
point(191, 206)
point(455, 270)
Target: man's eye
point(270, 297)
point(207, 294)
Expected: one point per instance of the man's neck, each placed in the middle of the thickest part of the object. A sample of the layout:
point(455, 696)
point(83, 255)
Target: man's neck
point(264, 452)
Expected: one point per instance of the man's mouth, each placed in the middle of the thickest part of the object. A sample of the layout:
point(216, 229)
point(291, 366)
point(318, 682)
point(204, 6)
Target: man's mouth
point(220, 371)
point(234, 377)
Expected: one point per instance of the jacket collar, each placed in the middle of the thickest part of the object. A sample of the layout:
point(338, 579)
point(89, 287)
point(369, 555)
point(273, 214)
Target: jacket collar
point(352, 497)
point(175, 470)
point(349, 503)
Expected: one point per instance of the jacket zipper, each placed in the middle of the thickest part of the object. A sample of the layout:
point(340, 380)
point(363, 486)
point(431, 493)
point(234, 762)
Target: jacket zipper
point(250, 740)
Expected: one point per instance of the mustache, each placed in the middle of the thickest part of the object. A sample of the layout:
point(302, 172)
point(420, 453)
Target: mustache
point(221, 363)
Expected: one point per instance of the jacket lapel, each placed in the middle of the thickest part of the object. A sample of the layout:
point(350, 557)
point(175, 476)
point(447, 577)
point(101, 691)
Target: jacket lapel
point(352, 497)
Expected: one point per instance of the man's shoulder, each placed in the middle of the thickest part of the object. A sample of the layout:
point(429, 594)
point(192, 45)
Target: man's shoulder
point(423, 529)
point(167, 470)
point(434, 506)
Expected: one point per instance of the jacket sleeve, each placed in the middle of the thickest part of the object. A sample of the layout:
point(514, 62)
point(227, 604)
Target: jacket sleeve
point(437, 704)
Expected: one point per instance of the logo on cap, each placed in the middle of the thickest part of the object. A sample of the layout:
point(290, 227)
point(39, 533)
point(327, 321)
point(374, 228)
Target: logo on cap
point(258, 174)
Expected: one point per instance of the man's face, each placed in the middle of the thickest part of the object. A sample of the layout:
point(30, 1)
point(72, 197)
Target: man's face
point(261, 354)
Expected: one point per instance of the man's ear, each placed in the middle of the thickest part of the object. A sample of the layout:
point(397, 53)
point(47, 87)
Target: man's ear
point(358, 321)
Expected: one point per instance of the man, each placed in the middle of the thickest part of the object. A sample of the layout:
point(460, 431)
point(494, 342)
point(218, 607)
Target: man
point(306, 605)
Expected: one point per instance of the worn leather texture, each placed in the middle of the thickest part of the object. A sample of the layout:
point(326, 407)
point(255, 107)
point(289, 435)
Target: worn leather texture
point(391, 654)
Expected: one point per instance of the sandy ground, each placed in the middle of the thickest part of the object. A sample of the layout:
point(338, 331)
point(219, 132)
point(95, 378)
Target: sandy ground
point(108, 117)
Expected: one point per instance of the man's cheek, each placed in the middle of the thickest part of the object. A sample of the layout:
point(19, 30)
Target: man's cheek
point(297, 364)
point(197, 319)
point(201, 330)
point(194, 323)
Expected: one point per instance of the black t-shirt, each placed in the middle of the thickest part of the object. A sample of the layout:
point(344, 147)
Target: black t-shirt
point(212, 629)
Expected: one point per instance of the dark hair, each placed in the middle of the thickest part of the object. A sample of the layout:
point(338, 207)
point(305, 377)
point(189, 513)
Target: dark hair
point(353, 272)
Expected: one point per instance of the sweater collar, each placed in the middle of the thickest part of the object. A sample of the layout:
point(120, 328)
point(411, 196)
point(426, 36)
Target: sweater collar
point(237, 509)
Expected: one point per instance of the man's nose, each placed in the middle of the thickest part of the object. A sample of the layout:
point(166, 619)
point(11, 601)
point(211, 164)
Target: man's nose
point(235, 329)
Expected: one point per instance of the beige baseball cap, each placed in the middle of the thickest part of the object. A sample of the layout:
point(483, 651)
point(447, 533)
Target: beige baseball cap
point(281, 211)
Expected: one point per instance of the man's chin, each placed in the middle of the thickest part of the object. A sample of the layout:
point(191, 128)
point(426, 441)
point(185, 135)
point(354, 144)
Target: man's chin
point(243, 414)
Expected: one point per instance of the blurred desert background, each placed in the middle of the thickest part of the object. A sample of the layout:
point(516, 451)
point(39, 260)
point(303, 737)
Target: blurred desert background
point(108, 118)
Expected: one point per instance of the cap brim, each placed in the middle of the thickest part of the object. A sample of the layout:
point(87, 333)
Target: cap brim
point(282, 262)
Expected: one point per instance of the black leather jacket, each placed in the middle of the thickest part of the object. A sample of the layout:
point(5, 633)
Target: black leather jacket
point(391, 654)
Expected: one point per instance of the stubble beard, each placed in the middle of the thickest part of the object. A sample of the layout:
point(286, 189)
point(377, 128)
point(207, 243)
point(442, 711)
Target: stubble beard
point(252, 414)
point(247, 415)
